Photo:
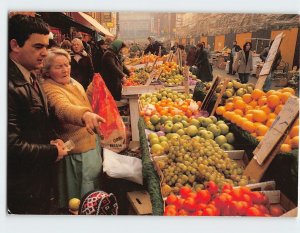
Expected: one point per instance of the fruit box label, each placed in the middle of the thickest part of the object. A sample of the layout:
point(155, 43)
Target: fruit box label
point(274, 196)
point(284, 119)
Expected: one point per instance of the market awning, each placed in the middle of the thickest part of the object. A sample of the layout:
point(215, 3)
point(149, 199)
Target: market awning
point(90, 22)
point(62, 21)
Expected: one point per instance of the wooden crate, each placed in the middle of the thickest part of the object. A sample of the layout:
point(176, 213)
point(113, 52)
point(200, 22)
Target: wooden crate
point(140, 203)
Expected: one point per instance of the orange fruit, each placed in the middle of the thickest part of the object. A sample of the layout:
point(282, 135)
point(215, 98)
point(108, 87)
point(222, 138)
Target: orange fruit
point(295, 142)
point(240, 121)
point(235, 118)
point(278, 109)
point(247, 108)
point(239, 104)
point(236, 98)
point(259, 116)
point(239, 112)
point(270, 122)
point(272, 115)
point(248, 126)
point(266, 109)
point(256, 94)
point(285, 148)
point(253, 103)
point(262, 101)
point(296, 122)
point(288, 89)
point(261, 130)
point(294, 131)
point(284, 96)
point(273, 101)
point(247, 98)
point(229, 106)
point(228, 115)
point(249, 116)
point(287, 140)
point(270, 92)
point(254, 135)
point(220, 110)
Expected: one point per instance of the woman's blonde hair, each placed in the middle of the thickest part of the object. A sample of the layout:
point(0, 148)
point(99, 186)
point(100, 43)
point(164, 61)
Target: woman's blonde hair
point(52, 53)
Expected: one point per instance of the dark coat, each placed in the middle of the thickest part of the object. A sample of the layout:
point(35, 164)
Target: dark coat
point(113, 70)
point(29, 154)
point(153, 48)
point(204, 69)
point(191, 57)
point(83, 70)
point(98, 60)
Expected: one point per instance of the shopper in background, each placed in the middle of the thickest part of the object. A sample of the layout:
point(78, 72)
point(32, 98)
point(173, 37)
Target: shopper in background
point(276, 62)
point(30, 155)
point(235, 48)
point(183, 55)
point(86, 46)
point(191, 56)
point(202, 63)
point(74, 120)
point(174, 47)
point(153, 47)
point(66, 45)
point(114, 72)
point(100, 50)
point(243, 63)
point(82, 69)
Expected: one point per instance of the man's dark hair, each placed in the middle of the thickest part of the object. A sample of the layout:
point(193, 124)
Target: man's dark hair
point(20, 27)
point(181, 47)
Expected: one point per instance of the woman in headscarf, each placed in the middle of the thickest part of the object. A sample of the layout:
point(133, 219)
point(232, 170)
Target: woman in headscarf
point(114, 72)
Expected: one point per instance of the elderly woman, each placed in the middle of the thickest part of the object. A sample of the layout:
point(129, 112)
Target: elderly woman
point(82, 69)
point(114, 72)
point(243, 63)
point(73, 117)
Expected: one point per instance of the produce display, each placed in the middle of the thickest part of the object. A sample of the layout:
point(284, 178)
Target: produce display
point(139, 77)
point(235, 88)
point(143, 60)
point(192, 162)
point(257, 111)
point(227, 201)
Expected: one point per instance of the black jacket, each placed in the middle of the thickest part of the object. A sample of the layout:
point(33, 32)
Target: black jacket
point(113, 70)
point(83, 70)
point(154, 49)
point(29, 154)
point(204, 69)
point(97, 60)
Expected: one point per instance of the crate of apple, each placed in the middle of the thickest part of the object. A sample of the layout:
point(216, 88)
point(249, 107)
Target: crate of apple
point(228, 201)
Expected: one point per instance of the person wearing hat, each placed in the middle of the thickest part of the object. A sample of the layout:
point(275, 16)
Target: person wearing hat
point(101, 47)
point(114, 72)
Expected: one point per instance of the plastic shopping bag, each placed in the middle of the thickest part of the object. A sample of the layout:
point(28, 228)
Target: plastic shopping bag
point(113, 130)
point(122, 166)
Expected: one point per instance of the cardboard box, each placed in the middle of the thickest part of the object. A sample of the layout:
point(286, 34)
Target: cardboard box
point(140, 203)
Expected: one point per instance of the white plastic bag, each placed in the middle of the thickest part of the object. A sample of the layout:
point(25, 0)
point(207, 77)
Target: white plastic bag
point(122, 166)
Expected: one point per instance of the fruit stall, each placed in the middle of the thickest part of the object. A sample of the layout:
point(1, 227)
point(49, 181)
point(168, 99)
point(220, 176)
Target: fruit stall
point(199, 161)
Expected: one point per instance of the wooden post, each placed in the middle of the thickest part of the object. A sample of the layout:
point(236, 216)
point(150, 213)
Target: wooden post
point(265, 71)
point(186, 80)
point(225, 82)
point(210, 93)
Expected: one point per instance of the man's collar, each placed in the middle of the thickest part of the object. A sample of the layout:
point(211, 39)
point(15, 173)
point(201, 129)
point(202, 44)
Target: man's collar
point(24, 71)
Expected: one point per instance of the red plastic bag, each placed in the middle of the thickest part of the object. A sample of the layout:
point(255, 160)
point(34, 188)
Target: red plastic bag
point(103, 103)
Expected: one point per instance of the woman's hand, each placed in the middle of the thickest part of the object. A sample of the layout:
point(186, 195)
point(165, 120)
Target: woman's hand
point(92, 122)
point(124, 80)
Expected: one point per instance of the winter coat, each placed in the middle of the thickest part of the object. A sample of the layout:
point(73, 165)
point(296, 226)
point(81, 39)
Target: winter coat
point(191, 57)
point(113, 70)
point(83, 70)
point(98, 60)
point(204, 69)
point(153, 48)
point(29, 154)
point(240, 64)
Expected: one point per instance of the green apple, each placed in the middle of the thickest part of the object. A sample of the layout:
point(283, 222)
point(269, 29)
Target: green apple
point(206, 134)
point(227, 147)
point(192, 130)
point(154, 119)
point(163, 138)
point(154, 141)
point(165, 145)
point(194, 122)
point(185, 123)
point(230, 137)
point(220, 140)
point(163, 119)
point(224, 129)
point(214, 129)
point(176, 118)
point(206, 122)
point(168, 127)
point(152, 135)
point(220, 122)
point(180, 132)
point(214, 119)
point(157, 150)
point(177, 126)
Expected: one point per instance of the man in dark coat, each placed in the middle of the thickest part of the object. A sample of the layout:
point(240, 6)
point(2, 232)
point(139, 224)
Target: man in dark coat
point(114, 72)
point(204, 69)
point(30, 155)
point(100, 50)
point(235, 48)
point(153, 47)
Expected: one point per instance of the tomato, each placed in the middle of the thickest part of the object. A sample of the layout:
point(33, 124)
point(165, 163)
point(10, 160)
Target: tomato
point(236, 194)
point(171, 199)
point(197, 213)
point(179, 203)
point(203, 196)
point(183, 212)
point(263, 209)
point(257, 198)
point(200, 206)
point(244, 190)
point(212, 187)
point(184, 191)
point(226, 188)
point(170, 210)
point(210, 211)
point(254, 212)
point(189, 204)
point(222, 200)
point(192, 195)
point(276, 211)
point(247, 198)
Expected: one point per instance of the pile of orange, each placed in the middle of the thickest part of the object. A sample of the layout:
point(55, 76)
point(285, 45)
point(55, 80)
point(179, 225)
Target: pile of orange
point(148, 58)
point(167, 67)
point(170, 108)
point(257, 111)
